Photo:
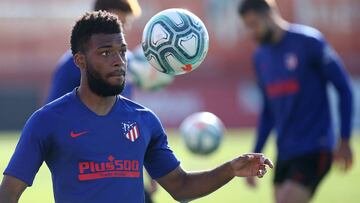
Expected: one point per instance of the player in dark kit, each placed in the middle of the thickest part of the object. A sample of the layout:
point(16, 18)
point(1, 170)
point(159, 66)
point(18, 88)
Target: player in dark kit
point(294, 65)
point(67, 75)
point(95, 142)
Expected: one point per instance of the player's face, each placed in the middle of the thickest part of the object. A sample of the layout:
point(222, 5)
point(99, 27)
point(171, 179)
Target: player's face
point(106, 64)
point(259, 26)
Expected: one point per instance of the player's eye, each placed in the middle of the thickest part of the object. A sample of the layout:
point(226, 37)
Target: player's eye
point(105, 53)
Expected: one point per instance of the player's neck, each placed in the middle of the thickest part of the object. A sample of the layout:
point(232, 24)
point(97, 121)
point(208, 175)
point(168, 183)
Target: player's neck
point(98, 104)
point(280, 27)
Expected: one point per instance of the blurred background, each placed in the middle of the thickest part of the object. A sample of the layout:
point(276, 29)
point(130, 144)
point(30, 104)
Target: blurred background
point(34, 35)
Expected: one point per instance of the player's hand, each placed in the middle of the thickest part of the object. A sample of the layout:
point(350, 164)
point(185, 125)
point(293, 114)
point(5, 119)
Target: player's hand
point(343, 155)
point(252, 164)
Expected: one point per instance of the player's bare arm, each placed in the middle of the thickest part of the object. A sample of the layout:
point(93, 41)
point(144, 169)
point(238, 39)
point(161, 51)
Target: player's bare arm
point(186, 186)
point(11, 189)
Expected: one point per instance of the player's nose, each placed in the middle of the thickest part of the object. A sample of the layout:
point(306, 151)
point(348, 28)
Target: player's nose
point(119, 60)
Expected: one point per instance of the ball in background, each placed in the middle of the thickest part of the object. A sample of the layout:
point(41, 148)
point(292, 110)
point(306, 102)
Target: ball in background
point(175, 41)
point(202, 132)
point(143, 75)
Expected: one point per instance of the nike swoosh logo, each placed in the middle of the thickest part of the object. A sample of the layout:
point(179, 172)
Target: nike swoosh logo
point(74, 135)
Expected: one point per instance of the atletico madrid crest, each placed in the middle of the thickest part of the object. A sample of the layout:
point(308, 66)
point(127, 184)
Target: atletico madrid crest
point(131, 130)
point(291, 61)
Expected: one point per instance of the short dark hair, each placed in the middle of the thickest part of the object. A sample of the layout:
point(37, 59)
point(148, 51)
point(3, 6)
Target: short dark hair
point(96, 22)
point(108, 5)
point(258, 6)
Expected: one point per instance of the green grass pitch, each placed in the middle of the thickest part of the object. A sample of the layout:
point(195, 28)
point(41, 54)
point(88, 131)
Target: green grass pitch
point(337, 187)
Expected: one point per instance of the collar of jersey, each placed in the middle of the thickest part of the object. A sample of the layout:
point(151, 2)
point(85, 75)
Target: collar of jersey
point(89, 111)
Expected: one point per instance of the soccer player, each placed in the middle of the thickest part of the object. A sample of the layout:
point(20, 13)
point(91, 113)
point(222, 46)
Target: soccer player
point(67, 75)
point(294, 65)
point(95, 142)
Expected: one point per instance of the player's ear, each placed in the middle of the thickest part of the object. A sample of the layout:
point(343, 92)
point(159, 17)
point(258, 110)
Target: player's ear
point(79, 60)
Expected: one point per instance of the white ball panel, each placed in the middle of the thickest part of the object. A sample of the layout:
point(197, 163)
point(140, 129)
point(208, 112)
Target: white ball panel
point(152, 60)
point(174, 17)
point(174, 63)
point(159, 35)
point(189, 44)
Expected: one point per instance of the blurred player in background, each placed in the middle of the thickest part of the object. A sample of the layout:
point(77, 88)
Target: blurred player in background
point(98, 152)
point(67, 75)
point(294, 65)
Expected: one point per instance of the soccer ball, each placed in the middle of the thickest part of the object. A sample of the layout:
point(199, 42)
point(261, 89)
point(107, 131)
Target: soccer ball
point(143, 75)
point(202, 132)
point(175, 41)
